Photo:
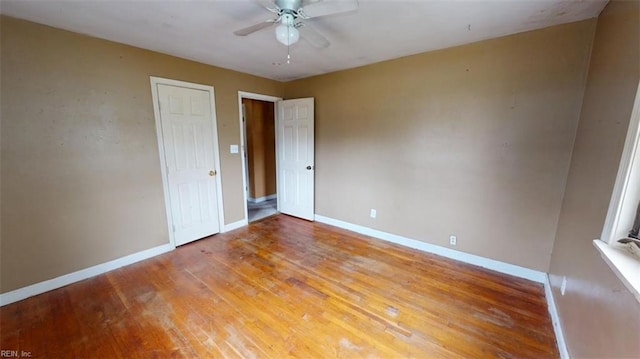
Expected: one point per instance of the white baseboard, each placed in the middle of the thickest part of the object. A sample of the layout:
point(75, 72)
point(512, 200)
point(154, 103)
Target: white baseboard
point(39, 288)
point(262, 199)
point(492, 264)
point(555, 319)
point(235, 225)
point(58, 282)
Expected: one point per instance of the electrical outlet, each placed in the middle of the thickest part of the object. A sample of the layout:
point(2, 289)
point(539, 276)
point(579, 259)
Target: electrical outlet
point(373, 213)
point(453, 240)
point(563, 286)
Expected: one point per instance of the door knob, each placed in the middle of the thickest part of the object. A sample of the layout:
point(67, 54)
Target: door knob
point(309, 168)
point(212, 173)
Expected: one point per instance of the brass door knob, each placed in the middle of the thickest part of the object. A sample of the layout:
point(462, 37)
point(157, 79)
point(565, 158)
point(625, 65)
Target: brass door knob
point(212, 173)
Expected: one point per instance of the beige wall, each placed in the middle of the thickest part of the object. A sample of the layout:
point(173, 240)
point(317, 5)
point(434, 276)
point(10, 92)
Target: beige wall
point(473, 141)
point(261, 147)
point(601, 319)
point(81, 181)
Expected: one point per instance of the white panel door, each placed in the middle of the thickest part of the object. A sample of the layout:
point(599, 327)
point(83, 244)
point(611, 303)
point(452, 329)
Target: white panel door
point(294, 147)
point(188, 137)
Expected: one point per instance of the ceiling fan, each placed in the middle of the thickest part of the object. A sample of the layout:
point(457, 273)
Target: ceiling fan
point(290, 15)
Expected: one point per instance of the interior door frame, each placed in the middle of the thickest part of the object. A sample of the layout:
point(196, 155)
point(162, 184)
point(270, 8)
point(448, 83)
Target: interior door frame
point(155, 81)
point(260, 97)
point(243, 146)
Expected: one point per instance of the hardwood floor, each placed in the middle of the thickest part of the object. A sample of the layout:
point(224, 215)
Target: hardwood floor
point(284, 287)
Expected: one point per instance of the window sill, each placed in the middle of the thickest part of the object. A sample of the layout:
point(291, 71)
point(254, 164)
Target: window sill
point(624, 264)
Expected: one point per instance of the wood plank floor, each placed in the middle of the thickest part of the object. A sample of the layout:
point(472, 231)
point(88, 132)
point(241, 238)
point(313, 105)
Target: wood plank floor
point(284, 287)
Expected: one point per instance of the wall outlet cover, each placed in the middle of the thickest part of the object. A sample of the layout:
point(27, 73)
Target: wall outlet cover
point(563, 286)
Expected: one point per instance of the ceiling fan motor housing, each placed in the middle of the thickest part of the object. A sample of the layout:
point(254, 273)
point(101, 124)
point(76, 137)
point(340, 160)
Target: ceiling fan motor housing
point(291, 5)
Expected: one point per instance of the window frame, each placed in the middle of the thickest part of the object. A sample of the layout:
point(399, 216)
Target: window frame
point(625, 170)
point(622, 262)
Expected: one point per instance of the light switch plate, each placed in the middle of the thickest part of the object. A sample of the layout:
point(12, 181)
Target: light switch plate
point(233, 148)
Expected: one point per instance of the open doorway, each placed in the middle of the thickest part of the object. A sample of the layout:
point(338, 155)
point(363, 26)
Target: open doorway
point(259, 154)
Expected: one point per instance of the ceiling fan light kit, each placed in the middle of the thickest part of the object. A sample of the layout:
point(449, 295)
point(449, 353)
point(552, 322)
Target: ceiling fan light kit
point(286, 33)
point(290, 14)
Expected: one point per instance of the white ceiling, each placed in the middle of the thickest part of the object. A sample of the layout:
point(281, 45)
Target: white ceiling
point(377, 31)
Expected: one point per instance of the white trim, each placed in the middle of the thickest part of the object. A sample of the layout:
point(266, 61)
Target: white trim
point(253, 96)
point(155, 81)
point(243, 148)
point(492, 264)
point(257, 96)
point(555, 320)
point(235, 225)
point(623, 264)
point(163, 166)
point(624, 173)
point(51, 284)
point(262, 199)
point(277, 125)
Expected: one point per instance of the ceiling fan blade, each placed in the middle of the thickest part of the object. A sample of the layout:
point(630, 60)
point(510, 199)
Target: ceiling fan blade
point(309, 2)
point(324, 8)
point(251, 29)
point(315, 38)
point(269, 5)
